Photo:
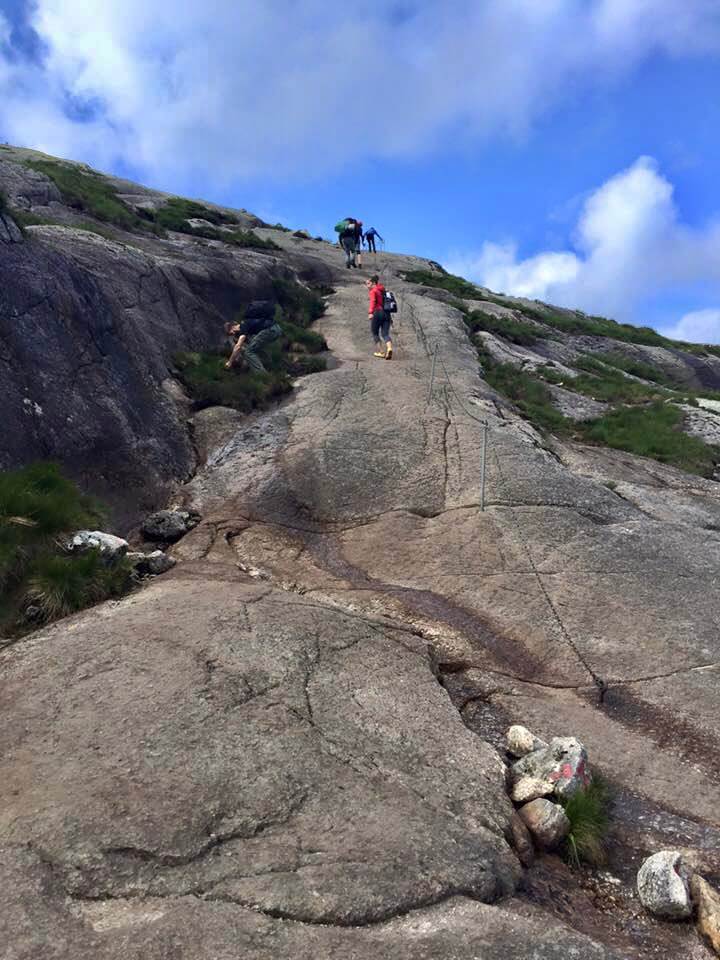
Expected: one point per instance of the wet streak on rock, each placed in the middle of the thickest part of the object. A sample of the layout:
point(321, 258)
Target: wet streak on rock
point(432, 607)
point(669, 731)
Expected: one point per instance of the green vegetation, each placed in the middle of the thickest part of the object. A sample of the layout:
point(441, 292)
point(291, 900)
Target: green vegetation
point(529, 395)
point(89, 192)
point(176, 211)
point(38, 507)
point(588, 813)
point(648, 428)
point(637, 368)
point(24, 218)
point(445, 281)
point(524, 334)
point(601, 382)
point(295, 354)
point(210, 384)
point(653, 431)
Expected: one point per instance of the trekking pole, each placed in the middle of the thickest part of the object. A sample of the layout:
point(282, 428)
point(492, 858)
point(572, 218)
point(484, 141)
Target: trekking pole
point(432, 373)
point(482, 465)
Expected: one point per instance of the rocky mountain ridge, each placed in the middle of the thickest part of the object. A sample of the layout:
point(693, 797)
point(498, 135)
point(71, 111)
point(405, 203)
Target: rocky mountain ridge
point(292, 744)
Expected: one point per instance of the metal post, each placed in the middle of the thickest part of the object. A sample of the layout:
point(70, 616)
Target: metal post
point(432, 373)
point(482, 466)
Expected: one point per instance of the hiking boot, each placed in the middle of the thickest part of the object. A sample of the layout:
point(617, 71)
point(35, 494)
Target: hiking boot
point(388, 351)
point(382, 356)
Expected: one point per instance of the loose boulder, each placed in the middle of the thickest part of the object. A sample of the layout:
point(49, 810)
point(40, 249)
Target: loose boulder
point(169, 525)
point(152, 564)
point(707, 902)
point(520, 741)
point(529, 788)
point(521, 840)
point(546, 821)
point(110, 547)
point(662, 887)
point(563, 762)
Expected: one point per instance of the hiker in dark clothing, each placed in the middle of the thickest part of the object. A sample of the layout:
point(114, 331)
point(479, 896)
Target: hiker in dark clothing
point(359, 240)
point(348, 241)
point(370, 238)
point(257, 329)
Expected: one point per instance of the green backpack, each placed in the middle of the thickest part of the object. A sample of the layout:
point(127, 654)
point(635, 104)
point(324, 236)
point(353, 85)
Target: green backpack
point(341, 226)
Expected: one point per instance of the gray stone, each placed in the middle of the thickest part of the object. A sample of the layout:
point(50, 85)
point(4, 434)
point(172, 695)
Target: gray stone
point(663, 887)
point(153, 563)
point(530, 788)
point(563, 763)
point(9, 231)
point(111, 548)
point(168, 525)
point(520, 741)
point(546, 821)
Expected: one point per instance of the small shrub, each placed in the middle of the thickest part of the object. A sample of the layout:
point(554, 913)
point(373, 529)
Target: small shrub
point(176, 211)
point(530, 395)
point(445, 281)
point(308, 340)
point(637, 368)
point(89, 192)
point(248, 238)
point(653, 431)
point(60, 585)
point(210, 384)
point(588, 813)
point(300, 304)
point(38, 508)
point(524, 334)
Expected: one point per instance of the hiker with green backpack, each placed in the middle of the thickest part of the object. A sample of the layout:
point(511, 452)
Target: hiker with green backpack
point(347, 232)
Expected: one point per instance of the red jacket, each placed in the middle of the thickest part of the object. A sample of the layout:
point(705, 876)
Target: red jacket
point(377, 295)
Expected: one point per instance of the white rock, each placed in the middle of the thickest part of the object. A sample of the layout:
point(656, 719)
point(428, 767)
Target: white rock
point(520, 741)
point(111, 547)
point(530, 788)
point(662, 887)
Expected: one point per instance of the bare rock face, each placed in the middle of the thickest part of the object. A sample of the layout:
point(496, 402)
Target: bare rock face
point(663, 887)
point(707, 903)
point(546, 821)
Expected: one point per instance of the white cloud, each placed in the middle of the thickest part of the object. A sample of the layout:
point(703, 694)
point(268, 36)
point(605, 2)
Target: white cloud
point(629, 244)
point(237, 87)
point(698, 326)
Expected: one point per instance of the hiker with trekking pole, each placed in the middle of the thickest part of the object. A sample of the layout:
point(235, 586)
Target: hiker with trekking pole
point(370, 239)
point(382, 305)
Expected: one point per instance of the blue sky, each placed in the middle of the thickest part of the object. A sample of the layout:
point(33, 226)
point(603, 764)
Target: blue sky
point(561, 149)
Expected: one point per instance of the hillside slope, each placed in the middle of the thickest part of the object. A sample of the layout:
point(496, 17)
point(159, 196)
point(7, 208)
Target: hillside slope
point(291, 744)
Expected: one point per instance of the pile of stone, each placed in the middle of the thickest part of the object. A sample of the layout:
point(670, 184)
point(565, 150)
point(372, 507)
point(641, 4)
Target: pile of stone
point(542, 776)
point(113, 549)
point(668, 888)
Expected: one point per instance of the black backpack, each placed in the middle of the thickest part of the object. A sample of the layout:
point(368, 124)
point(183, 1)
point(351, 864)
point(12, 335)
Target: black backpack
point(389, 302)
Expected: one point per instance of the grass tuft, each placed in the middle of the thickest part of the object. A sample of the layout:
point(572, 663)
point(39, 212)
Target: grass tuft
point(60, 585)
point(588, 813)
point(524, 334)
point(38, 508)
point(88, 192)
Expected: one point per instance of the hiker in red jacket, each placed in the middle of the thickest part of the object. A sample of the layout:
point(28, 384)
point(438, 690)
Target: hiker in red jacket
point(379, 320)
